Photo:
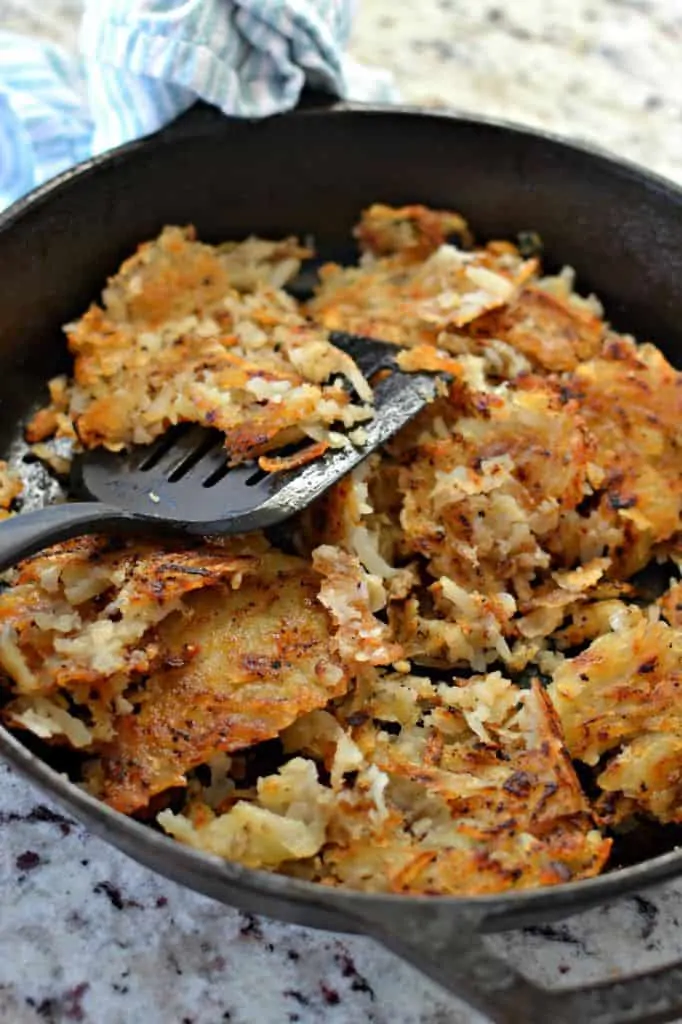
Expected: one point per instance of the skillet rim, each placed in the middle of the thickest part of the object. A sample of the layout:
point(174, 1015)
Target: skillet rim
point(562, 899)
point(208, 119)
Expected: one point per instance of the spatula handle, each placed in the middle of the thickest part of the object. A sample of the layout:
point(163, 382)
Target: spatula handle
point(25, 534)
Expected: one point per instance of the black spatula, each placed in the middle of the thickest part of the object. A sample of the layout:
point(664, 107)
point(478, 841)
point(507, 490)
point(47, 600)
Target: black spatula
point(182, 483)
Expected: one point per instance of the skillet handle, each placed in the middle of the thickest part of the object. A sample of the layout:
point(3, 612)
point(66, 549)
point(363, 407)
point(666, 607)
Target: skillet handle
point(448, 947)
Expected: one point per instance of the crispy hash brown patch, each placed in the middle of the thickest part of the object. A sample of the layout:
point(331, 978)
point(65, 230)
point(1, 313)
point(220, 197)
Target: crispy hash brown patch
point(77, 627)
point(11, 488)
point(620, 706)
point(464, 681)
point(411, 300)
point(239, 666)
point(193, 333)
point(550, 331)
point(447, 789)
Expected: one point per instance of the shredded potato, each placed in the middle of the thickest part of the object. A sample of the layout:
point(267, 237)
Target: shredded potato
point(463, 680)
point(191, 333)
point(241, 666)
point(11, 488)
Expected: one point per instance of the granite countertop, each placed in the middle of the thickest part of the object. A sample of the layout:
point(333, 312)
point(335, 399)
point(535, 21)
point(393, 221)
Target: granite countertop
point(87, 935)
point(600, 70)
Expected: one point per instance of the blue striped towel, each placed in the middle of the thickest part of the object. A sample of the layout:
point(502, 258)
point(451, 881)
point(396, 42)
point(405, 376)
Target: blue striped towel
point(143, 62)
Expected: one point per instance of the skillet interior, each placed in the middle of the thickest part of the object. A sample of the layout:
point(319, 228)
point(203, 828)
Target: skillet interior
point(314, 171)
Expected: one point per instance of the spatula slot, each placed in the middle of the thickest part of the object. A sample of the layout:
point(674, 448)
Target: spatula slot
point(255, 477)
point(217, 475)
point(204, 445)
point(159, 448)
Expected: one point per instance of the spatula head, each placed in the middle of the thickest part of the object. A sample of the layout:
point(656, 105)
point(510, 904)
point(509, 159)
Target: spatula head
point(183, 479)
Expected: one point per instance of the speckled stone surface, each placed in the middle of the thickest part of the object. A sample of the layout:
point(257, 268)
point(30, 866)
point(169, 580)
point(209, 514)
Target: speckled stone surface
point(86, 935)
point(606, 71)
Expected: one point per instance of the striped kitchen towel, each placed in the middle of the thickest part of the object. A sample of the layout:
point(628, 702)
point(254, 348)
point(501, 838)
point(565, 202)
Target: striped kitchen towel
point(143, 62)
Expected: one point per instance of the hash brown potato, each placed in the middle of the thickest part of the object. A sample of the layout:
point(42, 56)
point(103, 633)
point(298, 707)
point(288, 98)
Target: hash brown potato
point(191, 333)
point(457, 679)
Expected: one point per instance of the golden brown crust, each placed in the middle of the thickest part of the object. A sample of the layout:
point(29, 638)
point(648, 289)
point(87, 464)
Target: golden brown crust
point(83, 610)
point(553, 334)
point(671, 605)
point(631, 401)
point(414, 229)
point(451, 800)
point(619, 706)
point(416, 288)
point(248, 662)
point(11, 486)
point(192, 333)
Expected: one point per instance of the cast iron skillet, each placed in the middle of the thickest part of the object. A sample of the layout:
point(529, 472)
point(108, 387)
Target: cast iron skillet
point(313, 171)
